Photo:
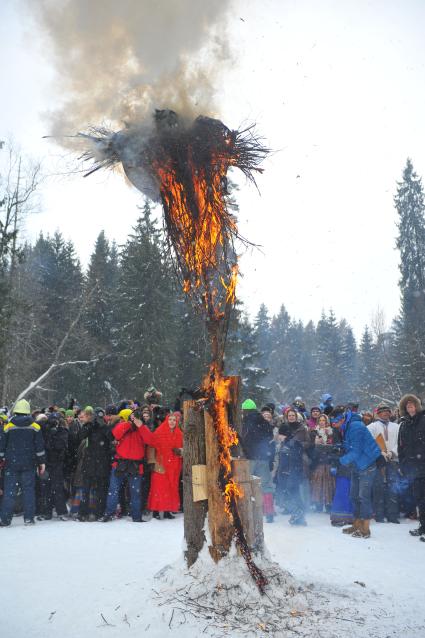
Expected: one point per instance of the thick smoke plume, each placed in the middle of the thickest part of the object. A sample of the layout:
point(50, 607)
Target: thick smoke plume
point(118, 59)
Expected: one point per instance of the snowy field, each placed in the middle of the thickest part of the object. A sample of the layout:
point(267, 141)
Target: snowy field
point(81, 580)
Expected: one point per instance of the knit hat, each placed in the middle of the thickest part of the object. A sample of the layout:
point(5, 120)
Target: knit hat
point(124, 414)
point(249, 404)
point(382, 407)
point(22, 407)
point(3, 417)
point(69, 412)
point(89, 409)
point(100, 412)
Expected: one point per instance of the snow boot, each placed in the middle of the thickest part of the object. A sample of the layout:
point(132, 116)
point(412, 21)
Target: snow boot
point(106, 518)
point(29, 521)
point(353, 528)
point(419, 531)
point(298, 521)
point(169, 515)
point(363, 531)
point(422, 538)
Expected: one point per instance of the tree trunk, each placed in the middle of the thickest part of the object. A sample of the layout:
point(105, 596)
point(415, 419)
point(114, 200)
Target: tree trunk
point(194, 454)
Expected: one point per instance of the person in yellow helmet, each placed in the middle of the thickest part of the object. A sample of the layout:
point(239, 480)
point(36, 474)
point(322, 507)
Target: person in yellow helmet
point(22, 449)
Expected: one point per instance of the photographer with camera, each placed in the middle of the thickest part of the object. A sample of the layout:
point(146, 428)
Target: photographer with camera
point(55, 436)
point(132, 436)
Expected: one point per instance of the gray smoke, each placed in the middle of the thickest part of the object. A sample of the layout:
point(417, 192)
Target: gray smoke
point(116, 60)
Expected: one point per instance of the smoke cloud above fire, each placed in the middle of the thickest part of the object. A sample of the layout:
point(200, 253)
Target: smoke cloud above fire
point(117, 61)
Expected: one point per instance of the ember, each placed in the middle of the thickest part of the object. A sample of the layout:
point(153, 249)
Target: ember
point(184, 165)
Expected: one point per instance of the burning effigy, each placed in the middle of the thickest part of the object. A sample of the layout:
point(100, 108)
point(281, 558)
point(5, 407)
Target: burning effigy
point(184, 165)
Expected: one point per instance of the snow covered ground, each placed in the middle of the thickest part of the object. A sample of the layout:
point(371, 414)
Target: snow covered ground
point(80, 580)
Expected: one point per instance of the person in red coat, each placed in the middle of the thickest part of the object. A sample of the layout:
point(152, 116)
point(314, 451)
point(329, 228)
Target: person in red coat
point(132, 437)
point(168, 444)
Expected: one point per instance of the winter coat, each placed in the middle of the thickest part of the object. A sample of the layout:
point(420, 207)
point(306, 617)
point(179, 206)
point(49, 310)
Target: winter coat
point(257, 437)
point(293, 454)
point(74, 441)
point(360, 447)
point(56, 444)
point(411, 439)
point(97, 458)
point(164, 490)
point(131, 443)
point(21, 444)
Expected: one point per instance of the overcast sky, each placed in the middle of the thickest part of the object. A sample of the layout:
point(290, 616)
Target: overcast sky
point(338, 90)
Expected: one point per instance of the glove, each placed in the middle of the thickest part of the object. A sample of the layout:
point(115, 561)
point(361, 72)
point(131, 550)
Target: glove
point(177, 451)
point(334, 471)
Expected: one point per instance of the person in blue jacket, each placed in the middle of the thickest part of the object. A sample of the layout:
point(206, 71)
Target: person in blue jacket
point(361, 453)
point(22, 449)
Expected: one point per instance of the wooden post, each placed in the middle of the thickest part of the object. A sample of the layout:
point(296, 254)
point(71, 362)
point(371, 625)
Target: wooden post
point(242, 475)
point(193, 454)
point(257, 514)
point(221, 529)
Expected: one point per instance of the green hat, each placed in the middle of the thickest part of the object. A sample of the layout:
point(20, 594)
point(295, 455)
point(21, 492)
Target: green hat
point(69, 412)
point(22, 407)
point(249, 404)
point(89, 409)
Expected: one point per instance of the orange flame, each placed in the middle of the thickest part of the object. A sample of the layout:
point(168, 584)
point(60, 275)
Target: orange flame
point(202, 239)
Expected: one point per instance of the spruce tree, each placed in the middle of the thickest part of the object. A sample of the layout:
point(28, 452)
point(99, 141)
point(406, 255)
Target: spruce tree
point(252, 374)
point(262, 335)
point(409, 202)
point(367, 370)
point(147, 322)
point(99, 320)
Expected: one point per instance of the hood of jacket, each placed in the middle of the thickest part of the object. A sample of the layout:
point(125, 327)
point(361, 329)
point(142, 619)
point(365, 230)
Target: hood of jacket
point(404, 401)
point(22, 420)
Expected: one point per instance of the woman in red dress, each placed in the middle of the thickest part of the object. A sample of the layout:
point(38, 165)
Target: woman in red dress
point(168, 444)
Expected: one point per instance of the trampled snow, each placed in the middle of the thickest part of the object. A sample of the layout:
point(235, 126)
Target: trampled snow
point(84, 580)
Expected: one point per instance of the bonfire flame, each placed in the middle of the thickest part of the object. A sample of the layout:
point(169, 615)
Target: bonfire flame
point(185, 166)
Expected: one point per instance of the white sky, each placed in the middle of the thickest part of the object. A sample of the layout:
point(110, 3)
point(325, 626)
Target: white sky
point(336, 87)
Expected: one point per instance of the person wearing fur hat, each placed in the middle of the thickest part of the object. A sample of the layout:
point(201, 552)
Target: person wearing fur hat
point(411, 452)
point(386, 484)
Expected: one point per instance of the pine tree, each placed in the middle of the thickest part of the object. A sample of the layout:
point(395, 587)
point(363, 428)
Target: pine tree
point(252, 375)
point(99, 320)
point(278, 362)
point(367, 369)
point(348, 363)
point(409, 202)
point(328, 355)
point(147, 322)
point(262, 335)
